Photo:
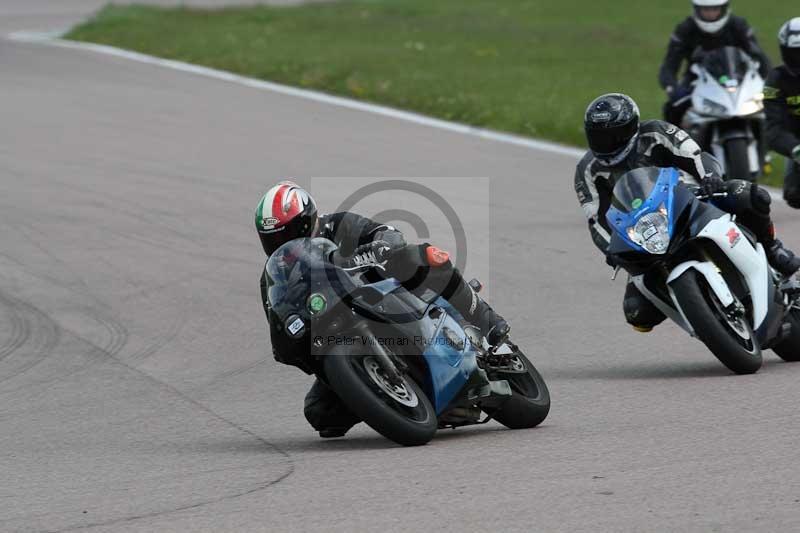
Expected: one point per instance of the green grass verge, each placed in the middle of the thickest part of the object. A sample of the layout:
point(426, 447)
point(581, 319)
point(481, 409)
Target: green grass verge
point(525, 66)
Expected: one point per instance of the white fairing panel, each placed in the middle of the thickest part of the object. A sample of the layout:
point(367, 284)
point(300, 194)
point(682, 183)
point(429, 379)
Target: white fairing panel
point(751, 261)
point(712, 275)
point(670, 312)
point(739, 100)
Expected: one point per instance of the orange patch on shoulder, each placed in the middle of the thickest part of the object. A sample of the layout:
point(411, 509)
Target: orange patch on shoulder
point(437, 257)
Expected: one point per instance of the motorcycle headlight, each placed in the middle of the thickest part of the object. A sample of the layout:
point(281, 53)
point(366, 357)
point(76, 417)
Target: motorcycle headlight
point(751, 107)
point(710, 107)
point(651, 232)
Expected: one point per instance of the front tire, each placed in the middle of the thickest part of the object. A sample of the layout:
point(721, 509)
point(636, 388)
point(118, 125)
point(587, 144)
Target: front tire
point(737, 160)
point(529, 404)
point(402, 413)
point(789, 348)
point(732, 342)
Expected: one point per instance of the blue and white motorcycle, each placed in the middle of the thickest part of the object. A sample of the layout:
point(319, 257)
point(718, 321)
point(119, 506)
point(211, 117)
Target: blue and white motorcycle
point(405, 365)
point(702, 270)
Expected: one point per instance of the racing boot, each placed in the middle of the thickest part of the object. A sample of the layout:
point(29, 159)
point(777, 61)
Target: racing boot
point(476, 311)
point(639, 311)
point(782, 259)
point(327, 413)
point(493, 326)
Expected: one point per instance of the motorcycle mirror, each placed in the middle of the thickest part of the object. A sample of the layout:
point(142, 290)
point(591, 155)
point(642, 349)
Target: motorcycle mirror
point(476, 285)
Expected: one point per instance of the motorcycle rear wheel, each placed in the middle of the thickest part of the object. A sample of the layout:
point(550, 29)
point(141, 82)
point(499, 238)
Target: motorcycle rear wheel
point(731, 341)
point(529, 404)
point(399, 412)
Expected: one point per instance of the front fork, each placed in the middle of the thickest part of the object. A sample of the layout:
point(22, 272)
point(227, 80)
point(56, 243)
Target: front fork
point(393, 367)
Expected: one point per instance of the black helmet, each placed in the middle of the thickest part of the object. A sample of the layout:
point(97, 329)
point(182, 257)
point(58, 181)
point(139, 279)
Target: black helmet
point(612, 126)
point(789, 39)
point(286, 212)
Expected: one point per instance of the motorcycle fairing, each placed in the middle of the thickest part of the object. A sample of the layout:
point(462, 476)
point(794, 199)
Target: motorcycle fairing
point(751, 261)
point(451, 359)
point(742, 97)
point(727, 108)
point(663, 192)
point(448, 352)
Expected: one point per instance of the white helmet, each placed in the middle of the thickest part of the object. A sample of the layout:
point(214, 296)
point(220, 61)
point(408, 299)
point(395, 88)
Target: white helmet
point(789, 41)
point(705, 24)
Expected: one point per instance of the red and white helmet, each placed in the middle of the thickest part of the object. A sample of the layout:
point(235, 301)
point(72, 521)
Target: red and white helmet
point(286, 212)
point(715, 23)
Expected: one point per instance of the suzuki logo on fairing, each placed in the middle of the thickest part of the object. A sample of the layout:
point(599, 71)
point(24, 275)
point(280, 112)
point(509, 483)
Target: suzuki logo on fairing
point(733, 236)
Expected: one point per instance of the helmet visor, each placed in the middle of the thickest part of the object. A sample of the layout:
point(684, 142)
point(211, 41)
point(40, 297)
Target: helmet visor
point(274, 239)
point(302, 226)
point(608, 142)
point(711, 13)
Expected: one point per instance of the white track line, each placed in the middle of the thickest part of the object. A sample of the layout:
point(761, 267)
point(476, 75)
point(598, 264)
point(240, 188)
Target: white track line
point(53, 38)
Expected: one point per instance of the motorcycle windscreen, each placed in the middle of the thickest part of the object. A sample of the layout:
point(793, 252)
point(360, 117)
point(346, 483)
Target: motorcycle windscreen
point(634, 188)
point(300, 268)
point(727, 65)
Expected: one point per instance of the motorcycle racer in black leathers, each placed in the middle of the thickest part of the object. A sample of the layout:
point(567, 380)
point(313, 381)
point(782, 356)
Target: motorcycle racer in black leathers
point(782, 105)
point(287, 212)
point(710, 27)
point(619, 143)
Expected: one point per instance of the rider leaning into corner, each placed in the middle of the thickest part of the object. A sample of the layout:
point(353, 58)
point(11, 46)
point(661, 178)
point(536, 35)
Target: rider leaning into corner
point(288, 212)
point(710, 27)
point(619, 143)
point(782, 105)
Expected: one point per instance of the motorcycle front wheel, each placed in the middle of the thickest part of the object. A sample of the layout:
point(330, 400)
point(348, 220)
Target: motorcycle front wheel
point(399, 411)
point(737, 160)
point(729, 338)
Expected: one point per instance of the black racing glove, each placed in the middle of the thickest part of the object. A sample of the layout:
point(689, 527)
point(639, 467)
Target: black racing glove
point(378, 250)
point(393, 238)
point(712, 184)
point(370, 255)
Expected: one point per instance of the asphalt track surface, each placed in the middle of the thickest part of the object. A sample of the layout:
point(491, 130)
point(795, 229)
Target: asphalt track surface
point(137, 391)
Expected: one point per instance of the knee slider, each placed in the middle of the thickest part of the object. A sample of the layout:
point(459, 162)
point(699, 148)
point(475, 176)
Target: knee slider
point(639, 312)
point(436, 257)
point(631, 307)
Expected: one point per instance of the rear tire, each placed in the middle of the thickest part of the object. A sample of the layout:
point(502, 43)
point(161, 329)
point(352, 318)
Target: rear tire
point(529, 404)
point(711, 327)
point(737, 160)
point(349, 377)
point(789, 348)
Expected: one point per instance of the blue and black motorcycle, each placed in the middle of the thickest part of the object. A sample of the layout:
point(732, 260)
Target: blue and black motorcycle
point(406, 365)
point(701, 269)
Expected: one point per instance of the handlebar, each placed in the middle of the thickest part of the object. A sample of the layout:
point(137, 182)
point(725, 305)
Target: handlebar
point(715, 195)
